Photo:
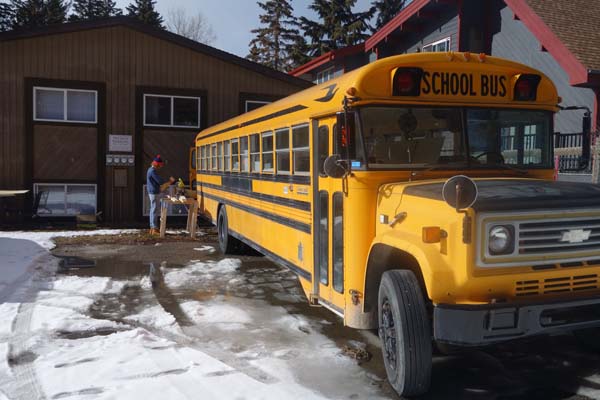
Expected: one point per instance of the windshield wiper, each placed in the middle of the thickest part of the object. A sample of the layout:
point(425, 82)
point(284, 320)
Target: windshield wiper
point(456, 165)
point(507, 166)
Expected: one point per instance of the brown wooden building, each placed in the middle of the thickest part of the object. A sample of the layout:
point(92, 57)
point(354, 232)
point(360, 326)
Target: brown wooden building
point(84, 106)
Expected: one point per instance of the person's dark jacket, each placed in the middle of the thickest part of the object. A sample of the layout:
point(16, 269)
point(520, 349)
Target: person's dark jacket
point(153, 181)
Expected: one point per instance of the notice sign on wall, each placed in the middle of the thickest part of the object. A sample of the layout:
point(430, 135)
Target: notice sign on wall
point(120, 143)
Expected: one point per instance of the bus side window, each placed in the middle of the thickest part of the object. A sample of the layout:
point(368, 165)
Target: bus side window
point(235, 155)
point(244, 153)
point(267, 151)
point(282, 150)
point(226, 157)
point(300, 150)
point(323, 147)
point(254, 153)
point(213, 154)
point(220, 156)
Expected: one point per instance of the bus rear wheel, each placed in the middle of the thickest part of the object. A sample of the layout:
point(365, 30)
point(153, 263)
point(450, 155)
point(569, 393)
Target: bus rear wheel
point(227, 243)
point(405, 333)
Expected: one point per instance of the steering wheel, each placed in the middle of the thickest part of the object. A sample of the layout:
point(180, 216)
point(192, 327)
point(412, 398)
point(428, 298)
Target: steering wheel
point(499, 156)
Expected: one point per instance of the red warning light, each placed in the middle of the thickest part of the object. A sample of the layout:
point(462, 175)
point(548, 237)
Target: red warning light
point(407, 81)
point(525, 88)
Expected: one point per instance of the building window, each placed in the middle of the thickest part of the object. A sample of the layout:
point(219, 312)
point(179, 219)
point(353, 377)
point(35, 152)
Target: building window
point(250, 105)
point(254, 153)
point(235, 155)
point(440, 45)
point(282, 150)
point(300, 150)
point(324, 76)
point(65, 105)
point(65, 199)
point(267, 151)
point(171, 111)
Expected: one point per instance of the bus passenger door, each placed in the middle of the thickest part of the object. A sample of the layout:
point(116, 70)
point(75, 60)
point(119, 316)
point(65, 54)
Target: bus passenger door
point(328, 200)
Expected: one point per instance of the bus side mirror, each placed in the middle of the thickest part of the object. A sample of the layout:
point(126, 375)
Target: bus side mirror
point(335, 167)
point(344, 135)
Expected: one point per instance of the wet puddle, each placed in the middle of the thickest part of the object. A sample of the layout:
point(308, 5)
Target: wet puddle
point(252, 311)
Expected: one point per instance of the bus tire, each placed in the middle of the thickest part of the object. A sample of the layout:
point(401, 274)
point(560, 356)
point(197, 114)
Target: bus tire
point(405, 333)
point(227, 243)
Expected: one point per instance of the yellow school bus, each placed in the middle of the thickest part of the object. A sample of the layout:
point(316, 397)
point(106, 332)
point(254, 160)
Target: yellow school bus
point(347, 184)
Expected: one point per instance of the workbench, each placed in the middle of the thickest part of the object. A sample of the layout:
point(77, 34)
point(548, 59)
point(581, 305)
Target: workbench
point(192, 219)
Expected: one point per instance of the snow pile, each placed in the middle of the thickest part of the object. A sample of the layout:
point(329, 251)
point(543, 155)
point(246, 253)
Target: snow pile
point(205, 248)
point(155, 317)
point(44, 239)
point(217, 313)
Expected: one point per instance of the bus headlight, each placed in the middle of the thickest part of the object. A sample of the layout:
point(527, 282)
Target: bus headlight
point(501, 239)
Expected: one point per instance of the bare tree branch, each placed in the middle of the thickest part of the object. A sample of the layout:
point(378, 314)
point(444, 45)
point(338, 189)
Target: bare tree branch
point(194, 27)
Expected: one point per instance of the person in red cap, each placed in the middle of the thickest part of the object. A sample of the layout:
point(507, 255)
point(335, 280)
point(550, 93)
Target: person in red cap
point(154, 185)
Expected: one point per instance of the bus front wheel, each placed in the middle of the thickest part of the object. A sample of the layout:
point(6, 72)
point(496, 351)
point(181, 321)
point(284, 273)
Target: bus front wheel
point(227, 243)
point(405, 333)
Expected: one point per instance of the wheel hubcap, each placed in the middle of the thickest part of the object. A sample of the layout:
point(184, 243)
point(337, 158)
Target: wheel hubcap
point(387, 333)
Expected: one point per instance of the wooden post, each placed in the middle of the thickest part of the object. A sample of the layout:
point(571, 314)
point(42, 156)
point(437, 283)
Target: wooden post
point(163, 218)
point(595, 160)
point(193, 218)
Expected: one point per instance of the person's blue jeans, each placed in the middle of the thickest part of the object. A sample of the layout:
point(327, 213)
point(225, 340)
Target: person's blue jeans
point(153, 200)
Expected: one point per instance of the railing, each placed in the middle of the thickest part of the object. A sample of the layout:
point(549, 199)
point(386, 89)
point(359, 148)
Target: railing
point(564, 140)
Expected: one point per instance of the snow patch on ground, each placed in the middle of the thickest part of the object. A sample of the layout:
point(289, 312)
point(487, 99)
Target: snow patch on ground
point(44, 239)
point(205, 248)
point(156, 317)
point(66, 320)
point(200, 270)
point(225, 316)
point(8, 312)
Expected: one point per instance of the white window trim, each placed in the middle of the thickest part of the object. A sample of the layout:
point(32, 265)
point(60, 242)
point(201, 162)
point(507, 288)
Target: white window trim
point(227, 156)
point(294, 149)
point(247, 102)
point(64, 185)
point(446, 39)
point(262, 151)
point(65, 101)
point(237, 155)
point(286, 150)
point(172, 125)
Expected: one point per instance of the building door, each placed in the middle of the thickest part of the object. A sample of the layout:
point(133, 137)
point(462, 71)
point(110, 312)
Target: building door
point(329, 222)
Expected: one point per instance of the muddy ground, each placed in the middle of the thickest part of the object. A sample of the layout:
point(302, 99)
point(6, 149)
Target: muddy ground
point(545, 368)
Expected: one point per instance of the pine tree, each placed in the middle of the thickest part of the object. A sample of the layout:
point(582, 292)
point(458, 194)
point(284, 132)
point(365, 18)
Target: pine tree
point(6, 17)
point(145, 12)
point(34, 13)
point(277, 39)
point(93, 9)
point(386, 10)
point(338, 27)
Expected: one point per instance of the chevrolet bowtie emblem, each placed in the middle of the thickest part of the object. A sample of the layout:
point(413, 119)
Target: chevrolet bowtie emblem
point(575, 236)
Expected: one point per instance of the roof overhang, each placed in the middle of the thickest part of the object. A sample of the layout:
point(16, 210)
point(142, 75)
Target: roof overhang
point(579, 75)
point(327, 57)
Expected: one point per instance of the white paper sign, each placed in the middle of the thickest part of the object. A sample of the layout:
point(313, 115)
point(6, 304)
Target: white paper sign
point(120, 143)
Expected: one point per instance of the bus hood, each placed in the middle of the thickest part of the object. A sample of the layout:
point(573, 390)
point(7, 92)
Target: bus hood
point(519, 194)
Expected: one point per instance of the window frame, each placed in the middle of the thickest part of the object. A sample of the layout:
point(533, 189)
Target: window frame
point(294, 149)
point(226, 156)
point(241, 141)
point(279, 151)
point(65, 105)
point(213, 157)
point(328, 73)
point(261, 102)
point(236, 155)
point(252, 152)
point(447, 39)
point(267, 134)
point(172, 97)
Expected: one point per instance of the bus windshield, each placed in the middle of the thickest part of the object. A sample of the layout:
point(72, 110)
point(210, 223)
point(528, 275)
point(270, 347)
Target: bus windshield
point(418, 137)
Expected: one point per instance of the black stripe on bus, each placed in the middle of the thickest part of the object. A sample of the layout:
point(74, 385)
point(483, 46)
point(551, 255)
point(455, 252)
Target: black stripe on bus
point(298, 204)
point(273, 257)
point(298, 179)
point(264, 118)
point(299, 226)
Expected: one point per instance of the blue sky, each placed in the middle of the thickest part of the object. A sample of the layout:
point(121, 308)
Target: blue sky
point(232, 20)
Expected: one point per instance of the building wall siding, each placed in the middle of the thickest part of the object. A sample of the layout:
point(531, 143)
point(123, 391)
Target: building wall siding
point(515, 42)
point(121, 58)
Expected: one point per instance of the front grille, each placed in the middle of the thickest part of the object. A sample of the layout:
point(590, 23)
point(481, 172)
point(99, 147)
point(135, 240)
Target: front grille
point(559, 236)
point(562, 284)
